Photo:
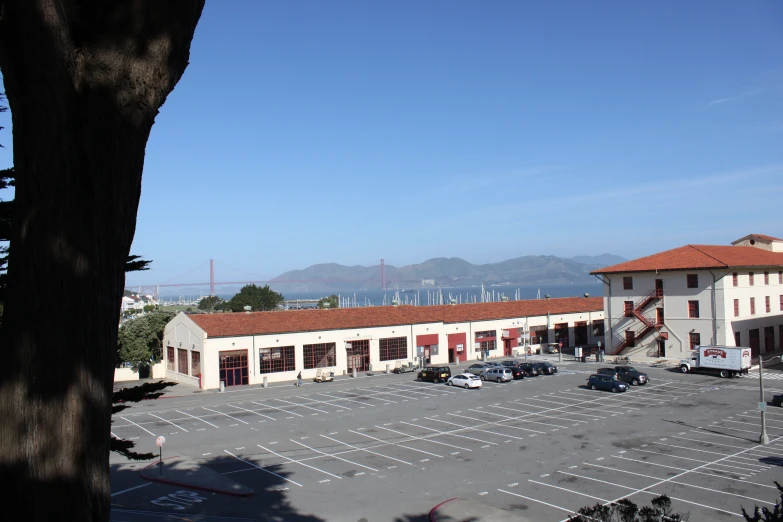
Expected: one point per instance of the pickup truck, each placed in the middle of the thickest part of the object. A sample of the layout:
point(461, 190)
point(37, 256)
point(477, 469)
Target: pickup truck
point(627, 374)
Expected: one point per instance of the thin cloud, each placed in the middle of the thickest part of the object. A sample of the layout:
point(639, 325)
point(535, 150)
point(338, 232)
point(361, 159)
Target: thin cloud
point(719, 101)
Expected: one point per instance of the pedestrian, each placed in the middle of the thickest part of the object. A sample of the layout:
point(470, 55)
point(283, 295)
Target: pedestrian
point(299, 379)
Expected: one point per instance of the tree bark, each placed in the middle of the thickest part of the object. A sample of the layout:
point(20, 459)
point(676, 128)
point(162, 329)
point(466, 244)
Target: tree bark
point(84, 80)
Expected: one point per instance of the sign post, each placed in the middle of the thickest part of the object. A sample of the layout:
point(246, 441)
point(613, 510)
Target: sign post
point(159, 442)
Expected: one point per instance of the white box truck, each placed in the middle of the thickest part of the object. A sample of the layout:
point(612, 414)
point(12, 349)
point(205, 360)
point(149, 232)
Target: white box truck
point(726, 361)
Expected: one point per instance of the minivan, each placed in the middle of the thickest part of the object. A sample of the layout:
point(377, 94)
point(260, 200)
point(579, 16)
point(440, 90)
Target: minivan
point(497, 374)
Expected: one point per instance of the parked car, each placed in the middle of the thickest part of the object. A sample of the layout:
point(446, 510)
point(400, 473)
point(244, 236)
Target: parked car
point(496, 374)
point(493, 363)
point(552, 348)
point(509, 363)
point(528, 369)
point(627, 374)
point(777, 400)
point(405, 368)
point(606, 382)
point(477, 368)
point(545, 368)
point(435, 374)
point(465, 380)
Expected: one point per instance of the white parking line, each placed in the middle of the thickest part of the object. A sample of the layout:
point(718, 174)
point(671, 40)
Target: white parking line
point(699, 472)
point(705, 431)
point(367, 396)
point(538, 422)
point(289, 459)
point(649, 493)
point(199, 418)
point(345, 399)
point(536, 500)
point(145, 429)
point(354, 448)
point(226, 414)
point(449, 434)
point(428, 439)
point(756, 432)
point(164, 420)
point(547, 408)
point(264, 469)
point(502, 425)
point(441, 389)
point(251, 411)
point(701, 451)
point(300, 405)
point(619, 401)
point(505, 436)
point(395, 394)
point(757, 418)
point(525, 420)
point(276, 408)
point(333, 456)
point(571, 491)
point(675, 482)
point(732, 465)
point(395, 444)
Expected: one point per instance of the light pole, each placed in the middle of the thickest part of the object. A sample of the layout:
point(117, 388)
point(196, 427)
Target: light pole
point(763, 439)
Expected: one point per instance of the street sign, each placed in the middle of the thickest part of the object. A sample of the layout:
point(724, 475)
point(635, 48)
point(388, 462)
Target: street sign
point(160, 441)
point(762, 406)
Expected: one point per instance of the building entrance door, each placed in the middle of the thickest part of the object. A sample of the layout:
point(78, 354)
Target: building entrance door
point(507, 347)
point(753, 336)
point(233, 367)
point(358, 355)
point(659, 288)
point(451, 356)
point(661, 348)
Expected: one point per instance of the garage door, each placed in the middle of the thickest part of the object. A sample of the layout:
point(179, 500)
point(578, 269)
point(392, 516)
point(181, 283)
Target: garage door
point(233, 367)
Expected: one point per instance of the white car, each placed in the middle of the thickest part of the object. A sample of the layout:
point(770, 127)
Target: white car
point(465, 380)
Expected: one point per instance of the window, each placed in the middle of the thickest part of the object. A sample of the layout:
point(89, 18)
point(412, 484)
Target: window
point(737, 339)
point(539, 335)
point(781, 303)
point(598, 328)
point(630, 338)
point(693, 280)
point(695, 340)
point(484, 346)
point(735, 279)
point(276, 359)
point(182, 361)
point(318, 355)
point(170, 358)
point(766, 304)
point(780, 277)
point(750, 278)
point(195, 364)
point(766, 278)
point(752, 306)
point(393, 348)
point(659, 317)
point(627, 283)
point(486, 334)
point(736, 307)
point(561, 334)
point(693, 309)
point(628, 308)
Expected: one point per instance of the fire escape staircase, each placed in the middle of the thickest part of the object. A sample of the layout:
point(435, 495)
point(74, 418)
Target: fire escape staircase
point(647, 323)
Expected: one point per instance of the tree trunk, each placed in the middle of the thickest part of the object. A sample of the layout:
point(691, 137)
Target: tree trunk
point(84, 80)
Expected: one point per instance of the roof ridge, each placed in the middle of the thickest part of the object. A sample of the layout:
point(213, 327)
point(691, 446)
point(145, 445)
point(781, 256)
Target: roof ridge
point(708, 255)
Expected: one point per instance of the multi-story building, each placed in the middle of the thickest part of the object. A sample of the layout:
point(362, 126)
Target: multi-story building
point(667, 304)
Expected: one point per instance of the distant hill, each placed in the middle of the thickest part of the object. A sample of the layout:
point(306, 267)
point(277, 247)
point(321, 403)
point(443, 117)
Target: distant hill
point(600, 261)
point(451, 272)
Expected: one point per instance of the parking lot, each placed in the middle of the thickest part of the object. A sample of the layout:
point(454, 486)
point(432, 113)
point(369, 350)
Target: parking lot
point(390, 448)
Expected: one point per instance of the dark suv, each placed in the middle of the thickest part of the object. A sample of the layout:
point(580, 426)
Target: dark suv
point(435, 374)
point(545, 368)
point(528, 369)
point(627, 374)
point(606, 382)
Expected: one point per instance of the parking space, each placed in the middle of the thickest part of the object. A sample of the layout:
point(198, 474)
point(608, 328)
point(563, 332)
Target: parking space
point(542, 446)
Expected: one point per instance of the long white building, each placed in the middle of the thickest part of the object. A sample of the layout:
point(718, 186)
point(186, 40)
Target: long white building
point(243, 348)
point(666, 304)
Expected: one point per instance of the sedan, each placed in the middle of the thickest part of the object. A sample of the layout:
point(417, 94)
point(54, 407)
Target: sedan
point(545, 368)
point(606, 382)
point(477, 368)
point(465, 380)
point(509, 363)
point(529, 369)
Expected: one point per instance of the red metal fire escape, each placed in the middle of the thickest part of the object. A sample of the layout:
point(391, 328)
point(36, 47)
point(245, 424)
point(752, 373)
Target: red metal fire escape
point(647, 323)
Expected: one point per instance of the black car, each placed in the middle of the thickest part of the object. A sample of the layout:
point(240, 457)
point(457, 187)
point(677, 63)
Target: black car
point(528, 369)
point(627, 374)
point(777, 400)
point(516, 372)
point(435, 374)
point(509, 363)
point(545, 368)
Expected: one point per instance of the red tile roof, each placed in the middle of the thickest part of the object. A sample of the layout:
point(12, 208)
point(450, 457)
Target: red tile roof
point(290, 321)
point(700, 257)
point(756, 236)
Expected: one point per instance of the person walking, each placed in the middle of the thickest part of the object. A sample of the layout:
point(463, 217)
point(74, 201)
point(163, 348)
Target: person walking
point(299, 379)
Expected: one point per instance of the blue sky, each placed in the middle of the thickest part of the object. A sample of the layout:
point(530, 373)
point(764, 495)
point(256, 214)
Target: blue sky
point(307, 132)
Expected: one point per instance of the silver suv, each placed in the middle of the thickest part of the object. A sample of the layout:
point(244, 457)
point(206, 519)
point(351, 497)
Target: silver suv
point(496, 374)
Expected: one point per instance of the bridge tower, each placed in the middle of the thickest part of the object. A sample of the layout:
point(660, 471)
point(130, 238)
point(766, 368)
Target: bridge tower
point(211, 277)
point(383, 275)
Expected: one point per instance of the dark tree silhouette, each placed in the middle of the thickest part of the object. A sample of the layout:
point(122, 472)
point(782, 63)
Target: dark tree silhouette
point(85, 80)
